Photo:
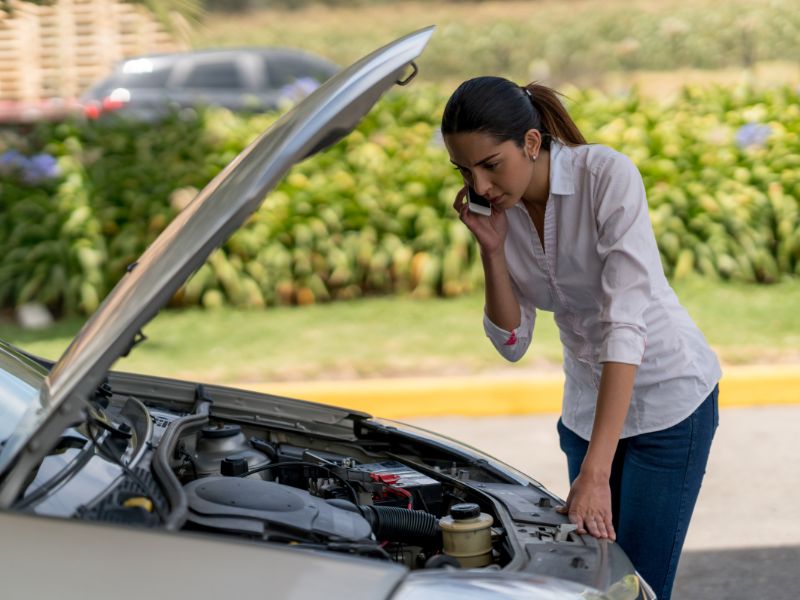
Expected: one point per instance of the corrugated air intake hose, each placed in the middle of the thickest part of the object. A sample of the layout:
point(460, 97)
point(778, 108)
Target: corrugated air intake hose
point(394, 524)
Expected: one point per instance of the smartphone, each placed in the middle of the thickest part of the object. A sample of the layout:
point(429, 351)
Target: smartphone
point(477, 203)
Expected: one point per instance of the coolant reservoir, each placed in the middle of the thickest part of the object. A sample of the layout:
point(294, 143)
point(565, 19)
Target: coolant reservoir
point(467, 535)
point(221, 441)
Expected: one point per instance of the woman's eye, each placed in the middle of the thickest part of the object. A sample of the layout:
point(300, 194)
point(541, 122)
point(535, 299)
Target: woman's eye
point(490, 166)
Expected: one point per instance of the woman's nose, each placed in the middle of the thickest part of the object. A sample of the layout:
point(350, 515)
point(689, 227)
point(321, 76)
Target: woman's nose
point(481, 184)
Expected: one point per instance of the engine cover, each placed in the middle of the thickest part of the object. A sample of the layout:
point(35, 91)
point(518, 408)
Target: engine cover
point(260, 507)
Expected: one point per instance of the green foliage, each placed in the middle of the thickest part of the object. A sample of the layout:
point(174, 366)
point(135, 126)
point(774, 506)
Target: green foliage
point(558, 41)
point(373, 214)
point(722, 171)
point(64, 241)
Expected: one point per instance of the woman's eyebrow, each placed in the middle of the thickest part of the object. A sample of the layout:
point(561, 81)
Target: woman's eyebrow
point(480, 162)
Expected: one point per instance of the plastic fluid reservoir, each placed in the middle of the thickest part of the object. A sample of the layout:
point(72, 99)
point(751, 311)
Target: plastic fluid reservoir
point(467, 535)
point(225, 441)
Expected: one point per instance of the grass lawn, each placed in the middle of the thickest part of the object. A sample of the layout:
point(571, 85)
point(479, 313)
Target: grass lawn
point(746, 324)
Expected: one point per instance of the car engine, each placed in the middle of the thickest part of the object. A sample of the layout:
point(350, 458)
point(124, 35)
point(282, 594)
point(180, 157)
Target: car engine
point(246, 485)
point(171, 458)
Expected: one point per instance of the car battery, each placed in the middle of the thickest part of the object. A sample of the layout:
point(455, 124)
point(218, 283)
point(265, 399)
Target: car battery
point(393, 477)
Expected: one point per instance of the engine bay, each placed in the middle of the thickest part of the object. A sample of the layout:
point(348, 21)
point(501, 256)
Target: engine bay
point(271, 486)
point(373, 493)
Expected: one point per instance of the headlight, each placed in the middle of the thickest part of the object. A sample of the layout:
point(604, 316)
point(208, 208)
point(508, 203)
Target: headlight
point(630, 587)
point(647, 591)
point(461, 585)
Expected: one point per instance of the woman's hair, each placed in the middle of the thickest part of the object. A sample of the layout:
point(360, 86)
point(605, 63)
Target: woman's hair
point(504, 110)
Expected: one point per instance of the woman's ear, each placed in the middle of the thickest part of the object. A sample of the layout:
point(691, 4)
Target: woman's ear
point(533, 142)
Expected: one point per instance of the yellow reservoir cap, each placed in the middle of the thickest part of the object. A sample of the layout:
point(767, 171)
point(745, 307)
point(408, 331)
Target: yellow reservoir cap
point(139, 502)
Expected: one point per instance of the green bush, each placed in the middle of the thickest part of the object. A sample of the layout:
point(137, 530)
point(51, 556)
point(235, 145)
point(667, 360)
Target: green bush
point(722, 171)
point(68, 237)
point(373, 214)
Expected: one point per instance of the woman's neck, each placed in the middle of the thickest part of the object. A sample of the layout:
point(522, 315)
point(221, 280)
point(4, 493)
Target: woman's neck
point(539, 187)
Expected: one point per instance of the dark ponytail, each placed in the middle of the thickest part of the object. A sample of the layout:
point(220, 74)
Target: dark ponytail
point(504, 110)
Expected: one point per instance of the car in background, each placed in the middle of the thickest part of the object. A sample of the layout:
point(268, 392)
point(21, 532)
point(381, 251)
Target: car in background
point(241, 79)
point(135, 486)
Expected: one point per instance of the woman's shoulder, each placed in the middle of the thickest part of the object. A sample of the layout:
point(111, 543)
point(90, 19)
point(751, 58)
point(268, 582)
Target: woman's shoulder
point(600, 159)
point(601, 167)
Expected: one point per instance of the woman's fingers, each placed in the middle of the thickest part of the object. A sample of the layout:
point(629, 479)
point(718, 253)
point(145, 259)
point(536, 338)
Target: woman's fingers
point(593, 524)
point(489, 231)
point(576, 518)
point(597, 527)
point(460, 206)
point(578, 522)
point(589, 508)
point(459, 201)
point(596, 524)
point(612, 535)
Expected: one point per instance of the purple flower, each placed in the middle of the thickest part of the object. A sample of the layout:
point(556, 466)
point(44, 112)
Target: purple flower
point(11, 160)
point(34, 170)
point(40, 168)
point(752, 134)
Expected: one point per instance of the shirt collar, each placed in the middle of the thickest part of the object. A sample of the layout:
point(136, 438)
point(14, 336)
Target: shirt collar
point(561, 182)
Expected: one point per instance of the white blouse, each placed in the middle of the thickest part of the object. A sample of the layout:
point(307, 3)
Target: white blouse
point(601, 275)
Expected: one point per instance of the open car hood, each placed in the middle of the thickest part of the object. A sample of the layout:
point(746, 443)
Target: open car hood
point(331, 112)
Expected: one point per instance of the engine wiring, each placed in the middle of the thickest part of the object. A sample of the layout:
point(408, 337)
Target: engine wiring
point(403, 493)
point(187, 458)
point(388, 480)
point(305, 463)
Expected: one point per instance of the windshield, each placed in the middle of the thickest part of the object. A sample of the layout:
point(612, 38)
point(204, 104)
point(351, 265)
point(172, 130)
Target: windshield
point(20, 382)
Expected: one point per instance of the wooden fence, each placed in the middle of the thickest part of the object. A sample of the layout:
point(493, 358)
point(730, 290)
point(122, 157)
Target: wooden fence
point(58, 50)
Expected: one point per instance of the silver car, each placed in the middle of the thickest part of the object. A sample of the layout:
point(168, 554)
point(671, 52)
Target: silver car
point(241, 79)
point(128, 486)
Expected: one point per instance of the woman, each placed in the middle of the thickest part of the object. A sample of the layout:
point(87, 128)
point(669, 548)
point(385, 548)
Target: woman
point(569, 232)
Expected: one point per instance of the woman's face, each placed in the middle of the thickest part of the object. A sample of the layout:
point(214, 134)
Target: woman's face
point(501, 172)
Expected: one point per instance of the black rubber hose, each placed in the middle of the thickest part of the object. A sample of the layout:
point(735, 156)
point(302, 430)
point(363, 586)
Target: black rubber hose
point(402, 525)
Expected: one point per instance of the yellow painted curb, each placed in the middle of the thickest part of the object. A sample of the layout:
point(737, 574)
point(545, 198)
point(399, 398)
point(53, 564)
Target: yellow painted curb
point(760, 386)
point(509, 395)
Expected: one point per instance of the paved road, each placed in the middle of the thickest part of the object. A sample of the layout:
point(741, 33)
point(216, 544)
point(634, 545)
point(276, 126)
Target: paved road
point(740, 574)
point(744, 540)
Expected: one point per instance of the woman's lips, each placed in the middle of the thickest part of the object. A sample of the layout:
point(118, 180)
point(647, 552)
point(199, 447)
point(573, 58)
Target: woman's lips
point(495, 200)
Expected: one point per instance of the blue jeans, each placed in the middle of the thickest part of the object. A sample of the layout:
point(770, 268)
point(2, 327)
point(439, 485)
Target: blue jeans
point(655, 480)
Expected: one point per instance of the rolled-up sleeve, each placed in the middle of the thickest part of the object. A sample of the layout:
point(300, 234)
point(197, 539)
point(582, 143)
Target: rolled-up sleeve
point(627, 248)
point(512, 345)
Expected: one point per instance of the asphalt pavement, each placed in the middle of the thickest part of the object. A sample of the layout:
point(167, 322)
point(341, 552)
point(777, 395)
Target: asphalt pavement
point(744, 538)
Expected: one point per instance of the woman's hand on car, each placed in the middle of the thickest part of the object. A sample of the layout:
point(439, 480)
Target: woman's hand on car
point(489, 231)
point(589, 507)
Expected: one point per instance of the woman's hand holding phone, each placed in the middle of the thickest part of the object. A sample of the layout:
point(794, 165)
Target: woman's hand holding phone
point(490, 231)
point(477, 203)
